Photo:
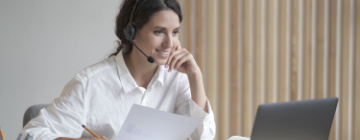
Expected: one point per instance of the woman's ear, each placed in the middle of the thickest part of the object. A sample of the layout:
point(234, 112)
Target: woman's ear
point(116, 43)
point(135, 40)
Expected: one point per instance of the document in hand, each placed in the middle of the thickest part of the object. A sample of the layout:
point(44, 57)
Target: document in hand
point(144, 123)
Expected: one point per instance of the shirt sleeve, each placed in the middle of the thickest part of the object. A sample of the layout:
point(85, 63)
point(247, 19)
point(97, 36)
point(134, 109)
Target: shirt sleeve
point(186, 106)
point(62, 118)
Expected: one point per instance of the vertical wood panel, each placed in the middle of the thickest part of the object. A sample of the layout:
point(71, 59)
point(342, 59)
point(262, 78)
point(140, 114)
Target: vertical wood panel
point(240, 61)
point(264, 49)
point(211, 59)
point(351, 69)
point(235, 116)
point(245, 72)
point(295, 49)
point(269, 66)
point(332, 49)
point(307, 50)
point(283, 34)
point(313, 48)
point(326, 60)
point(223, 69)
point(277, 50)
point(247, 67)
point(338, 70)
point(257, 56)
point(345, 70)
point(288, 59)
point(319, 49)
point(252, 72)
point(357, 73)
point(188, 39)
point(326, 49)
point(300, 42)
point(200, 32)
point(332, 59)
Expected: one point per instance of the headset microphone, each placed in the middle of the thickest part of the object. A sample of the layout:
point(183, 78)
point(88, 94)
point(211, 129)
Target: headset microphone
point(149, 58)
point(129, 32)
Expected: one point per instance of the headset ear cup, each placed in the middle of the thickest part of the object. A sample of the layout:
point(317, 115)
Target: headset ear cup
point(129, 32)
point(133, 32)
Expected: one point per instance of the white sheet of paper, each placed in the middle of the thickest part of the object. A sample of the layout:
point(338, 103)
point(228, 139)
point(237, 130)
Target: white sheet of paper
point(144, 123)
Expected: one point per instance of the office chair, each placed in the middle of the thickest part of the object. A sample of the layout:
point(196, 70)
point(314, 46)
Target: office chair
point(238, 138)
point(32, 112)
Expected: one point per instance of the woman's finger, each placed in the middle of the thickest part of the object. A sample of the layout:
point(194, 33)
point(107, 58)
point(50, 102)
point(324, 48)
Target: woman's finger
point(172, 54)
point(174, 58)
point(182, 60)
point(177, 47)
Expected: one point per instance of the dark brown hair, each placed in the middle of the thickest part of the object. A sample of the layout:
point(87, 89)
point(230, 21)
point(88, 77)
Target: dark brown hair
point(142, 14)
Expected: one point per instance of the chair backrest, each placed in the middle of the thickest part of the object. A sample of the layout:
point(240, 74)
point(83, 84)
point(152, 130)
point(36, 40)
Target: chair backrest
point(32, 112)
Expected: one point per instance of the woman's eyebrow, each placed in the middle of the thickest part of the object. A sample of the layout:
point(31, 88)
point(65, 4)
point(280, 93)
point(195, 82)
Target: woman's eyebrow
point(161, 27)
point(178, 28)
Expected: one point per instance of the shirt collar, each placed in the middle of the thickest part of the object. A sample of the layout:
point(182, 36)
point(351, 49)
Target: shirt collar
point(158, 76)
point(128, 82)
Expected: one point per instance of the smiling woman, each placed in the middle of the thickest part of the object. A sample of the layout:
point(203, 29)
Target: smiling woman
point(137, 16)
point(159, 37)
point(101, 96)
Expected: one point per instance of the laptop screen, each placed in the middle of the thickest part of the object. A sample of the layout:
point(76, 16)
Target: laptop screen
point(296, 120)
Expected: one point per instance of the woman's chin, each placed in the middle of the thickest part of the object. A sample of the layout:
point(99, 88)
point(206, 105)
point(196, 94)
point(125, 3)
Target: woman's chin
point(161, 61)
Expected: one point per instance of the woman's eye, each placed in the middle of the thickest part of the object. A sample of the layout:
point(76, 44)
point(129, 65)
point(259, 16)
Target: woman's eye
point(157, 32)
point(175, 32)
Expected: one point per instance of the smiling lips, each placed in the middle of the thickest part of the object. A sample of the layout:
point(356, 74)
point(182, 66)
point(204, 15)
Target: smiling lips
point(163, 54)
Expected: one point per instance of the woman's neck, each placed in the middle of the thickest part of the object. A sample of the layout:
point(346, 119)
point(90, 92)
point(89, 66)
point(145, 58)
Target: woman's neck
point(140, 69)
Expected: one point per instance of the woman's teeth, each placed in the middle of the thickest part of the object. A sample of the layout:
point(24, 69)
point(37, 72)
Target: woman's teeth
point(164, 53)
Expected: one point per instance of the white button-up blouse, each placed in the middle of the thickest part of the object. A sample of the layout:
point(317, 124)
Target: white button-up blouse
point(101, 97)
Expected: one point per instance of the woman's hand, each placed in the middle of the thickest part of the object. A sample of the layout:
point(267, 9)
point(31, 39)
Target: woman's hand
point(183, 61)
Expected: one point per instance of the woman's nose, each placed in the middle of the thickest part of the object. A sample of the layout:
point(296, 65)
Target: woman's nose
point(169, 41)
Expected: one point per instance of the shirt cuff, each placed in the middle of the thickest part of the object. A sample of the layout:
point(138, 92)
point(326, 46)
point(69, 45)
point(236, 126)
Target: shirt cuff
point(197, 112)
point(207, 129)
point(29, 136)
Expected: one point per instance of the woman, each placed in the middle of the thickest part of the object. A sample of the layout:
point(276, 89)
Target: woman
point(101, 95)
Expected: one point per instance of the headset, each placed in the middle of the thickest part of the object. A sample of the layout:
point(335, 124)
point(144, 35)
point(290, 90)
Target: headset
point(129, 32)
point(129, 29)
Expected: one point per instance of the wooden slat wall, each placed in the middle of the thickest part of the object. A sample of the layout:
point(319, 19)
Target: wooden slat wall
point(235, 84)
point(262, 51)
point(356, 73)
point(223, 71)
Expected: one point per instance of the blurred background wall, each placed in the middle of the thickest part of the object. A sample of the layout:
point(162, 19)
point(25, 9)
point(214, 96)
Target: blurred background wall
point(43, 44)
point(265, 51)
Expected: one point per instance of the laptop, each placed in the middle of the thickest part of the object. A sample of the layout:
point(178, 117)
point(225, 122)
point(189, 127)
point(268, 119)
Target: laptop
point(296, 120)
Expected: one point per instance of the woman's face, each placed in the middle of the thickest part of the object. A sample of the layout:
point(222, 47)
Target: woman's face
point(159, 36)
